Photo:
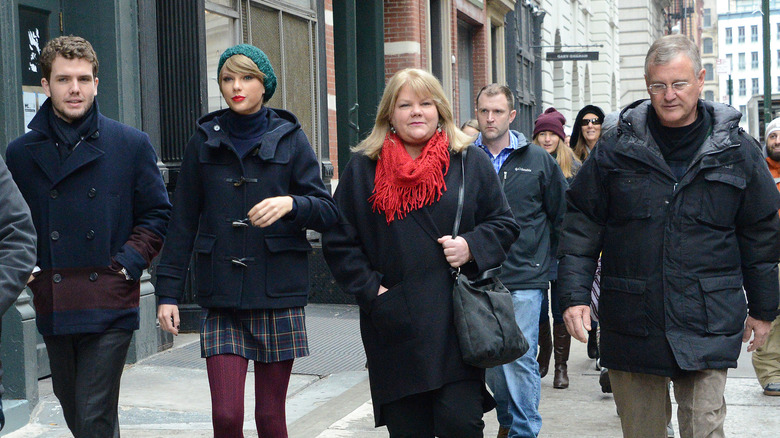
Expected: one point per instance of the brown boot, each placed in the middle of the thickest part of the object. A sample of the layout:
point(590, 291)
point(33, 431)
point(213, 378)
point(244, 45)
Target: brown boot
point(545, 348)
point(561, 344)
point(503, 432)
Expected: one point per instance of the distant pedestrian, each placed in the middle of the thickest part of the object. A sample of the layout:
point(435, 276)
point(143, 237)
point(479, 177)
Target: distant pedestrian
point(534, 187)
point(586, 131)
point(471, 127)
point(547, 134)
point(680, 204)
point(100, 207)
point(766, 359)
point(393, 250)
point(249, 188)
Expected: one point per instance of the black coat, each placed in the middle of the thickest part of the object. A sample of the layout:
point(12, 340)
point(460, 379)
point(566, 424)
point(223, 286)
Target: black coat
point(239, 266)
point(408, 332)
point(676, 255)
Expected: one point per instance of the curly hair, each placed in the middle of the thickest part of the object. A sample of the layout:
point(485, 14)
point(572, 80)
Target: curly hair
point(69, 47)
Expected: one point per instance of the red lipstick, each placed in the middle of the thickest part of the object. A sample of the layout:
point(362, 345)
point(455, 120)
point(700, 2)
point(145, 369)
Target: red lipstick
point(238, 98)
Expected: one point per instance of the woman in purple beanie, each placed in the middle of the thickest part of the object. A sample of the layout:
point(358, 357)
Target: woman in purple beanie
point(549, 134)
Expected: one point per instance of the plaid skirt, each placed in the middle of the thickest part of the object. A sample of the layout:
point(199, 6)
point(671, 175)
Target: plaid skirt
point(262, 335)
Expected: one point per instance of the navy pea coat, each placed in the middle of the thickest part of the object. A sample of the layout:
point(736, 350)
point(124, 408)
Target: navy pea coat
point(238, 265)
point(103, 208)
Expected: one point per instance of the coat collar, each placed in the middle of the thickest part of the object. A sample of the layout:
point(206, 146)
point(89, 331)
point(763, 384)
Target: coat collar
point(44, 151)
point(280, 124)
point(639, 143)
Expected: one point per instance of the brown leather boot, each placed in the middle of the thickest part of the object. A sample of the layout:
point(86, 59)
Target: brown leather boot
point(503, 432)
point(545, 348)
point(561, 344)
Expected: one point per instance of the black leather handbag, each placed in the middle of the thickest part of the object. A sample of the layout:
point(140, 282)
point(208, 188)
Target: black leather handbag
point(483, 311)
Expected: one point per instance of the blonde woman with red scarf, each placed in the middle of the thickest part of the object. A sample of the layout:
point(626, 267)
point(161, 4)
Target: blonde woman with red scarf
point(393, 250)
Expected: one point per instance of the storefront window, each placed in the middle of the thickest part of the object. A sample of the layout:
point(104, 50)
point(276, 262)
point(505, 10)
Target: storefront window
point(220, 34)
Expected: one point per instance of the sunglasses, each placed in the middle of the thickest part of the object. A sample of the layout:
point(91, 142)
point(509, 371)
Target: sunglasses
point(586, 122)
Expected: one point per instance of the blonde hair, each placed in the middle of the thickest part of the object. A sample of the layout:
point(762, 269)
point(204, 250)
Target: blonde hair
point(423, 84)
point(564, 156)
point(241, 64)
point(581, 149)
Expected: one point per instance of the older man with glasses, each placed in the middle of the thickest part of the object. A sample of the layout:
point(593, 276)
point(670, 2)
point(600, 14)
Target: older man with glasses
point(680, 205)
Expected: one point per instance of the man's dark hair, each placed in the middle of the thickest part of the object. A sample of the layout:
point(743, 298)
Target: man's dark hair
point(494, 89)
point(69, 47)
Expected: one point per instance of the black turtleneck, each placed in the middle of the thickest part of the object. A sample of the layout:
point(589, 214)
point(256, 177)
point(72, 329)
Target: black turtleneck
point(245, 131)
point(679, 145)
point(68, 135)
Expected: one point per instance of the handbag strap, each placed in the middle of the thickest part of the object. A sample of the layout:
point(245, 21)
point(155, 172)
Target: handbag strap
point(461, 192)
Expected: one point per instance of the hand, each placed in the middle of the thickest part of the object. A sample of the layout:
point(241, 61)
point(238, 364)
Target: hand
point(760, 331)
point(270, 210)
point(577, 317)
point(456, 250)
point(382, 290)
point(168, 315)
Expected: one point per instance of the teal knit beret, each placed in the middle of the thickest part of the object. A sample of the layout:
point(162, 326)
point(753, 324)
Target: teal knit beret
point(258, 57)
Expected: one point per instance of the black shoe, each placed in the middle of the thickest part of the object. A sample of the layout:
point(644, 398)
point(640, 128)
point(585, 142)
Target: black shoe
point(606, 386)
point(2, 415)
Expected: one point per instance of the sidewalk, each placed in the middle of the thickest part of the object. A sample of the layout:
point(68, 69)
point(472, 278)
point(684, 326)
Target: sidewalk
point(167, 394)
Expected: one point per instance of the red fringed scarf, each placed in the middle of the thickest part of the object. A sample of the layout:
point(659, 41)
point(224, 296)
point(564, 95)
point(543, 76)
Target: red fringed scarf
point(402, 184)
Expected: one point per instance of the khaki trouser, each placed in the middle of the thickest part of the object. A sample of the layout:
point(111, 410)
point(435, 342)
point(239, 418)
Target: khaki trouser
point(766, 360)
point(645, 408)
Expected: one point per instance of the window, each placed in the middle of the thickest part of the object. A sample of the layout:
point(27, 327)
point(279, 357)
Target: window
point(709, 95)
point(742, 87)
point(741, 61)
point(707, 17)
point(778, 84)
point(221, 33)
point(754, 33)
point(778, 32)
point(728, 34)
point(707, 45)
point(730, 61)
point(754, 86)
point(743, 109)
point(754, 60)
point(741, 33)
point(708, 74)
point(465, 72)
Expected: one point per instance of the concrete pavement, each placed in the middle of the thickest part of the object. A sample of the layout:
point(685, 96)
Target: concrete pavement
point(167, 394)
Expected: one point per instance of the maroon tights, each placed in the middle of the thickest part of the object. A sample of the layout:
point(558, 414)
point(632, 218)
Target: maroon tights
point(227, 376)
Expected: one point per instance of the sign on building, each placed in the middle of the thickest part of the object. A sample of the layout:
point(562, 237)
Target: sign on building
point(572, 56)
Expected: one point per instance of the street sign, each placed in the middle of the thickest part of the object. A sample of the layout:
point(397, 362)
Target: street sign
point(724, 66)
point(572, 56)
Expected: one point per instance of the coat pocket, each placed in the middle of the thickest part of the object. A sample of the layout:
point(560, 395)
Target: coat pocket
point(628, 196)
point(720, 198)
point(288, 265)
point(725, 304)
point(391, 317)
point(203, 251)
point(622, 305)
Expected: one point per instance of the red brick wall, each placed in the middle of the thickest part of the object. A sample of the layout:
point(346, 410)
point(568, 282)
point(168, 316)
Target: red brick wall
point(405, 20)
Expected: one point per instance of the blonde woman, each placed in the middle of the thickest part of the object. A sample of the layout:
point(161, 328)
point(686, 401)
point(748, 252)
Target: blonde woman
point(392, 249)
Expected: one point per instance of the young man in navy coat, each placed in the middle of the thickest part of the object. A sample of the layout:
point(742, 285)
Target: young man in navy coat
point(101, 209)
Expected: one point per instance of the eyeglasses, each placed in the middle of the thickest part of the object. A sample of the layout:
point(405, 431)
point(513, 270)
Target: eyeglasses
point(586, 122)
point(661, 88)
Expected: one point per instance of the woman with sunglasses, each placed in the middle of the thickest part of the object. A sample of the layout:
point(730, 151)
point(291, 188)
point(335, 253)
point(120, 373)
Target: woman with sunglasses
point(586, 131)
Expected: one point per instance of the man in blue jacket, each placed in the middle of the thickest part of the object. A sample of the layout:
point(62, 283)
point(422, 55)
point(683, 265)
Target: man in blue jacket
point(101, 209)
point(534, 186)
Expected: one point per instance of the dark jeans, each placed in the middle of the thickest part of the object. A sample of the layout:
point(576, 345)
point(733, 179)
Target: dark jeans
point(454, 410)
point(86, 370)
point(553, 304)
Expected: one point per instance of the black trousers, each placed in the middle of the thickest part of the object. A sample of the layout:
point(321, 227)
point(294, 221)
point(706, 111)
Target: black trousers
point(452, 411)
point(86, 370)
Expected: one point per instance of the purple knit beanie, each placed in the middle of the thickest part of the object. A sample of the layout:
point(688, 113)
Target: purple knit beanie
point(550, 120)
